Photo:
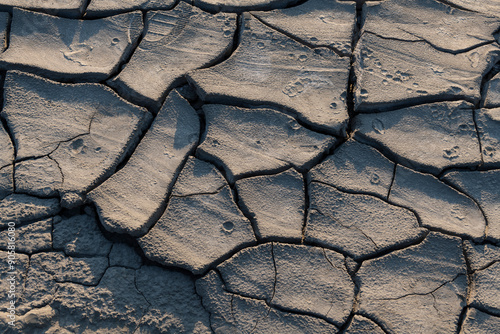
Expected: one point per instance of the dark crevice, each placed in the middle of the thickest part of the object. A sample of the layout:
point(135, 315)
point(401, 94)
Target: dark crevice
point(300, 40)
point(495, 69)
point(85, 6)
point(375, 108)
point(453, 5)
point(7, 37)
point(474, 118)
point(392, 182)
point(435, 47)
point(306, 205)
point(464, 193)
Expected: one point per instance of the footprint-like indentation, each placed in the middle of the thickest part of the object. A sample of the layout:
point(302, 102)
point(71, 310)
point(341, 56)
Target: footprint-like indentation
point(228, 226)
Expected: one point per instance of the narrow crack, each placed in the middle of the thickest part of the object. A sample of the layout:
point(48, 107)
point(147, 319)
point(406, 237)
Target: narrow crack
point(435, 47)
point(423, 293)
point(307, 200)
point(474, 118)
point(461, 319)
point(298, 39)
point(392, 182)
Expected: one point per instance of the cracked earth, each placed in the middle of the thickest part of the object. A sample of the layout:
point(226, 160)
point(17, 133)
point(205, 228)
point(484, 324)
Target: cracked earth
point(250, 166)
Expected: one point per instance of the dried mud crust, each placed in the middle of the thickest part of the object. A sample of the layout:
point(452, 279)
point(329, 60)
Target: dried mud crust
point(257, 166)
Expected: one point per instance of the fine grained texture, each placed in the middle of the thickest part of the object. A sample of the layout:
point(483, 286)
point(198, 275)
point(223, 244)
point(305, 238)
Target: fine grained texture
point(21, 208)
point(276, 203)
point(197, 230)
point(34, 237)
point(488, 127)
point(359, 225)
point(175, 307)
point(99, 8)
point(481, 256)
point(437, 205)
point(134, 198)
point(79, 235)
point(483, 187)
point(269, 67)
point(392, 73)
point(313, 281)
point(427, 137)
point(422, 286)
point(176, 42)
point(355, 167)
point(489, 7)
point(485, 288)
point(88, 50)
point(240, 5)
point(445, 28)
point(124, 255)
point(20, 267)
point(317, 23)
point(479, 322)
point(250, 272)
point(362, 325)
point(492, 92)
point(113, 306)
point(198, 177)
point(65, 8)
point(303, 289)
point(6, 160)
point(231, 313)
point(40, 177)
point(247, 142)
point(80, 132)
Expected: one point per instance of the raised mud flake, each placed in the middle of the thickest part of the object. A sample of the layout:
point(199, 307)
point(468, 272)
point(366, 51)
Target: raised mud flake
point(422, 286)
point(316, 22)
point(314, 281)
point(481, 256)
point(238, 6)
point(276, 202)
point(79, 132)
point(176, 42)
point(392, 73)
point(359, 225)
point(355, 167)
point(80, 235)
point(84, 50)
point(488, 7)
point(362, 325)
point(488, 126)
point(175, 307)
point(101, 8)
point(197, 230)
point(492, 92)
point(311, 283)
point(40, 177)
point(65, 8)
point(479, 322)
point(198, 177)
point(23, 208)
point(486, 288)
point(269, 67)
point(34, 237)
point(484, 187)
point(114, 305)
point(236, 314)
point(133, 199)
point(428, 137)
point(438, 205)
point(250, 272)
point(251, 141)
point(445, 28)
point(21, 267)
